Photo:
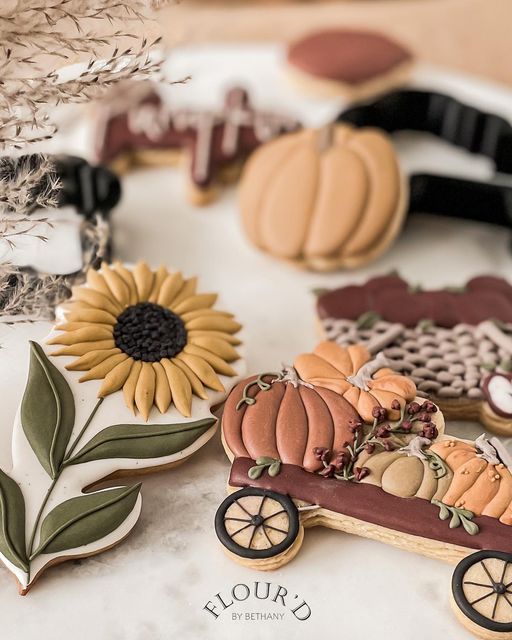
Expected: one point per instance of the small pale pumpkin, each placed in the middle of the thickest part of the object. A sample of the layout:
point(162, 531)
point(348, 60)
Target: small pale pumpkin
point(352, 373)
point(326, 199)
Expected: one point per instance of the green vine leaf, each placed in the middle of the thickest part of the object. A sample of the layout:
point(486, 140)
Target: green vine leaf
point(12, 522)
point(459, 517)
point(265, 462)
point(255, 472)
point(470, 527)
point(141, 441)
point(86, 519)
point(47, 411)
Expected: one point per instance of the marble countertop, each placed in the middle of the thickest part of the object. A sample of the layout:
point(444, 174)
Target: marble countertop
point(156, 584)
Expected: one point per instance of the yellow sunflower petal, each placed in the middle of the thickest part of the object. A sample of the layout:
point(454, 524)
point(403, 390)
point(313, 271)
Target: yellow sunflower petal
point(91, 359)
point(73, 326)
point(130, 384)
point(218, 364)
point(116, 378)
point(200, 301)
point(195, 383)
point(200, 313)
point(202, 369)
point(214, 323)
point(81, 348)
point(219, 347)
point(92, 333)
point(116, 284)
point(169, 289)
point(97, 282)
point(97, 300)
point(96, 316)
point(162, 390)
point(145, 390)
point(180, 387)
point(100, 370)
point(129, 280)
point(187, 290)
point(160, 277)
point(144, 279)
point(214, 334)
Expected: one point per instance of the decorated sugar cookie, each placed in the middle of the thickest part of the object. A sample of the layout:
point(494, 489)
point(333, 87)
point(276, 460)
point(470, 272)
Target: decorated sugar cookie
point(350, 63)
point(146, 132)
point(308, 448)
point(456, 344)
point(124, 385)
point(325, 198)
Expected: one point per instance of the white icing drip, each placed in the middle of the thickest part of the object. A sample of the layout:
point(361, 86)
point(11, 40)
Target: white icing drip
point(152, 120)
point(499, 389)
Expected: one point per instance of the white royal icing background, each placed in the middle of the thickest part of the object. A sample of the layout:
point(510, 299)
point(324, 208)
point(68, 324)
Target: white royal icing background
point(154, 585)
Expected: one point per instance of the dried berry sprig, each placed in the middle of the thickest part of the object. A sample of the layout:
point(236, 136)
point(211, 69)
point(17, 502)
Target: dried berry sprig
point(414, 419)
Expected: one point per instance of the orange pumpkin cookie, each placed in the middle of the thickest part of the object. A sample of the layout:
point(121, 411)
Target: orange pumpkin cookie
point(324, 199)
point(363, 381)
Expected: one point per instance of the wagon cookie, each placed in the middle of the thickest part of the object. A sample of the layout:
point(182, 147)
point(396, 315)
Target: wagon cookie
point(213, 145)
point(348, 63)
point(302, 456)
point(456, 344)
point(324, 199)
point(124, 385)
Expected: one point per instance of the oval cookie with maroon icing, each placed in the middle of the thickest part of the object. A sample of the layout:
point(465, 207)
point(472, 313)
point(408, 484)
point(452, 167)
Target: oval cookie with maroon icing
point(324, 199)
point(355, 63)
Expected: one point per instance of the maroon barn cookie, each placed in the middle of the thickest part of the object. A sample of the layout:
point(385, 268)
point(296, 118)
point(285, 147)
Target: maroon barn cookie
point(456, 344)
point(356, 64)
point(215, 144)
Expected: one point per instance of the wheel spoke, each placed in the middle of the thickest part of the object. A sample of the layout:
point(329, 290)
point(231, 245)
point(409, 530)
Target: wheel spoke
point(482, 598)
point(261, 505)
point(478, 584)
point(240, 530)
point(237, 519)
point(268, 526)
point(505, 596)
point(505, 565)
point(277, 513)
point(271, 544)
point(252, 537)
point(495, 606)
point(244, 509)
point(488, 573)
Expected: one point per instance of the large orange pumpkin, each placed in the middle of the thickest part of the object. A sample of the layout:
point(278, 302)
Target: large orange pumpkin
point(285, 420)
point(352, 373)
point(326, 198)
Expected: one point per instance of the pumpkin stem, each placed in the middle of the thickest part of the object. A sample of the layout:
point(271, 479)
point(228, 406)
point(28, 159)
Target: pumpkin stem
point(365, 373)
point(325, 137)
point(290, 375)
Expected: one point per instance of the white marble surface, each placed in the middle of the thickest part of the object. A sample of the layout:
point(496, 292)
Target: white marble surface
point(155, 585)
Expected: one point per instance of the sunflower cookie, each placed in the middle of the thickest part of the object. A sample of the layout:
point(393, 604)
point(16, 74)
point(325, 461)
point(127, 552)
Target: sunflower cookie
point(124, 385)
point(350, 63)
point(213, 144)
point(308, 448)
point(456, 344)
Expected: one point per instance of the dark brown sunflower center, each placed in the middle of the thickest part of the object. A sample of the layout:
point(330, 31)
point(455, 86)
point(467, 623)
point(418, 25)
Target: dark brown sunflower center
point(149, 332)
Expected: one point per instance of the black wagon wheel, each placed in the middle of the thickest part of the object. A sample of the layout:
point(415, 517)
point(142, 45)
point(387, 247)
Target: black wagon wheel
point(482, 590)
point(257, 523)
